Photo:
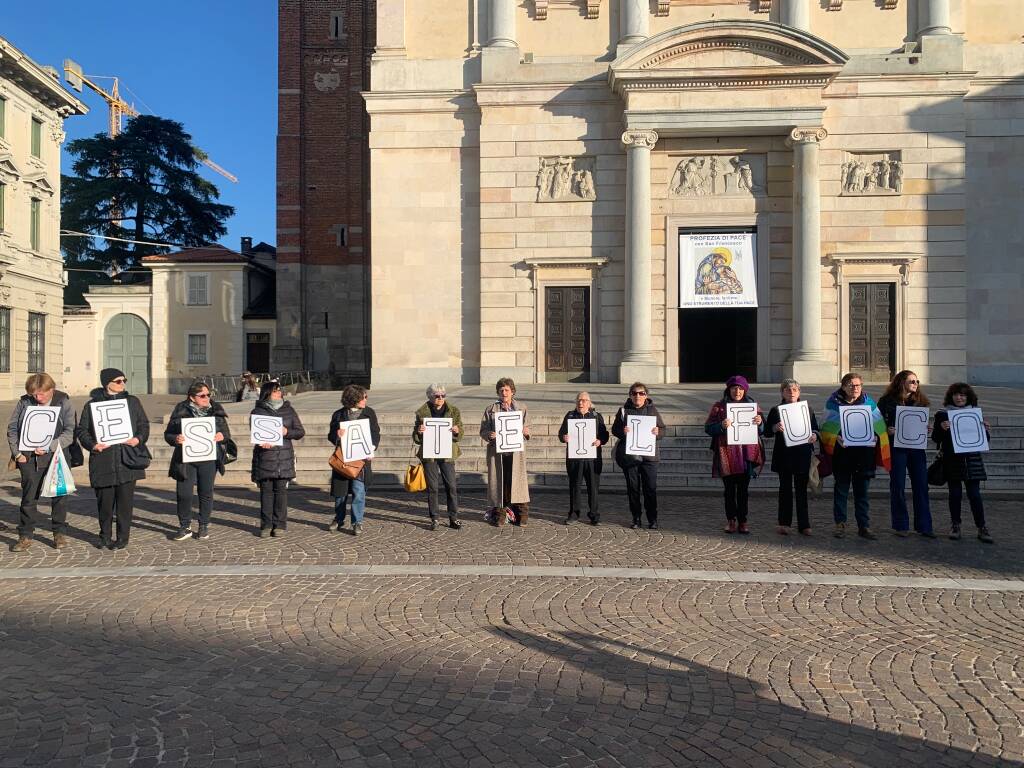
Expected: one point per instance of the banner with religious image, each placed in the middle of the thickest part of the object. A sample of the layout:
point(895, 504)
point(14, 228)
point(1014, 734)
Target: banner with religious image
point(717, 270)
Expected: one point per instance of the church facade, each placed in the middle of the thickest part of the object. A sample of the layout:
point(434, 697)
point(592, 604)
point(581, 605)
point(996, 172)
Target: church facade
point(613, 190)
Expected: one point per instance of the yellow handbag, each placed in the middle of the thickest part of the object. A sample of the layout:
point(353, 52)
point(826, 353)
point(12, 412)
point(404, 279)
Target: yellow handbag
point(415, 478)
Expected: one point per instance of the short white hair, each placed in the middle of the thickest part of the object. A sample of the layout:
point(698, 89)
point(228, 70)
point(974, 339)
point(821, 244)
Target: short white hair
point(436, 389)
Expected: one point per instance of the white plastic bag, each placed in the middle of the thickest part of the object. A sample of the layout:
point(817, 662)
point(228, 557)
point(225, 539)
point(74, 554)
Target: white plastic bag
point(58, 477)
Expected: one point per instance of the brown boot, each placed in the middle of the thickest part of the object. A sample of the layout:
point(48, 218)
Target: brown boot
point(59, 541)
point(523, 514)
point(23, 543)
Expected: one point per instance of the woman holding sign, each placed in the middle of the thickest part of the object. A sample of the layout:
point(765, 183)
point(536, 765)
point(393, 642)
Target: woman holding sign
point(273, 461)
point(636, 452)
point(353, 409)
point(197, 455)
point(503, 428)
point(857, 441)
point(438, 452)
point(962, 470)
point(905, 392)
point(736, 453)
point(112, 427)
point(796, 431)
point(583, 431)
point(33, 436)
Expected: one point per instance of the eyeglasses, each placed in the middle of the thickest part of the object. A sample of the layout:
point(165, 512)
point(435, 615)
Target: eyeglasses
point(119, 381)
point(202, 397)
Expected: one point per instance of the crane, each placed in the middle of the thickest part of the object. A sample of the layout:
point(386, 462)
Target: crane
point(118, 108)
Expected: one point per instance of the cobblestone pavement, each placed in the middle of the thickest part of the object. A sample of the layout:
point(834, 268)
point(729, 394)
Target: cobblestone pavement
point(172, 668)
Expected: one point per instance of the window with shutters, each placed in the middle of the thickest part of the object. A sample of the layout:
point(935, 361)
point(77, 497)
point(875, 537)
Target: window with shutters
point(197, 349)
point(198, 290)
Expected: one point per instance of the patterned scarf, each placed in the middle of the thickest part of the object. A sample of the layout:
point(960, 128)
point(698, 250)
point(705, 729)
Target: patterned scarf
point(733, 459)
point(831, 428)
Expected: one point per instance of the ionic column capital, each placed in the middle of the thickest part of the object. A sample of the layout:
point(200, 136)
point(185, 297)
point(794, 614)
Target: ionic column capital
point(641, 139)
point(806, 136)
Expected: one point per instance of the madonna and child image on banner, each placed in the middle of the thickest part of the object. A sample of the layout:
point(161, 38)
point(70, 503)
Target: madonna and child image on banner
point(717, 270)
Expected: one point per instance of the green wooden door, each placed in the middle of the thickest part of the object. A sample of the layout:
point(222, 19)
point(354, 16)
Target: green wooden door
point(126, 347)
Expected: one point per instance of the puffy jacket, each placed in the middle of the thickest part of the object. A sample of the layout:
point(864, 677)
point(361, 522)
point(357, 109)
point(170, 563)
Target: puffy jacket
point(107, 468)
point(173, 429)
point(277, 462)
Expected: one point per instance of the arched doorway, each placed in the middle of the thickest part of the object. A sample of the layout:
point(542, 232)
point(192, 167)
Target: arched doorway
point(126, 347)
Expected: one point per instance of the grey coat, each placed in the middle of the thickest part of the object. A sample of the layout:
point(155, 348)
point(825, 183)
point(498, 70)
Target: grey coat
point(64, 433)
point(520, 486)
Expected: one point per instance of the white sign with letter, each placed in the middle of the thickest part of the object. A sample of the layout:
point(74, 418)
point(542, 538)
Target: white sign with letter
point(795, 419)
point(112, 422)
point(967, 428)
point(508, 432)
point(38, 427)
point(640, 440)
point(742, 430)
point(437, 438)
point(856, 426)
point(357, 442)
point(581, 436)
point(265, 429)
point(911, 427)
point(200, 439)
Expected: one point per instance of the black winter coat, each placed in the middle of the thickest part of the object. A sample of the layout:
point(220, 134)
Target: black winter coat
point(106, 468)
point(173, 429)
point(795, 460)
point(602, 435)
point(956, 466)
point(339, 483)
point(622, 458)
point(278, 461)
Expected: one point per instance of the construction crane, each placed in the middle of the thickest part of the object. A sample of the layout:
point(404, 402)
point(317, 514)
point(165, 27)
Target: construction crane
point(118, 108)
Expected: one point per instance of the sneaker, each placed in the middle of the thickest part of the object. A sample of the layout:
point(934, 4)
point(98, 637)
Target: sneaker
point(730, 527)
point(653, 526)
point(182, 534)
point(277, 533)
point(783, 530)
point(22, 544)
point(433, 524)
point(840, 530)
point(805, 531)
point(203, 533)
point(60, 541)
point(984, 536)
point(635, 524)
point(355, 528)
point(901, 534)
point(264, 533)
point(568, 518)
point(454, 524)
point(744, 528)
point(333, 526)
point(954, 532)
point(865, 533)
point(927, 534)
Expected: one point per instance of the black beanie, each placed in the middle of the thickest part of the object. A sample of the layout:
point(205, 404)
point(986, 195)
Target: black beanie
point(107, 375)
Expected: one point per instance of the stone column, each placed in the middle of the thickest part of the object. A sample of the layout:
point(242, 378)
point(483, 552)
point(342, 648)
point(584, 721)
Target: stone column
point(807, 363)
point(638, 362)
point(796, 14)
point(390, 29)
point(634, 22)
point(501, 24)
point(935, 19)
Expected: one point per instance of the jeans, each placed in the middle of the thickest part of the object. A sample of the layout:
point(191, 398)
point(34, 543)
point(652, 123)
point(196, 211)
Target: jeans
point(642, 478)
point(435, 471)
point(116, 500)
point(274, 503)
point(200, 475)
point(915, 462)
point(356, 492)
point(790, 485)
point(32, 477)
point(841, 493)
point(582, 471)
point(736, 496)
point(973, 496)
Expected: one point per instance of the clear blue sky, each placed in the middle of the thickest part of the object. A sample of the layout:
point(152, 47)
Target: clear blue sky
point(211, 65)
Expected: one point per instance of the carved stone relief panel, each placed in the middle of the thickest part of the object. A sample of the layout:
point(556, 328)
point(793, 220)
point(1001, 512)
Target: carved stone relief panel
point(565, 179)
point(718, 175)
point(871, 173)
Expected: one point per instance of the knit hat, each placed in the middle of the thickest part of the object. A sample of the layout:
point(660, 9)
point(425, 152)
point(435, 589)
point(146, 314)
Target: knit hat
point(737, 381)
point(107, 375)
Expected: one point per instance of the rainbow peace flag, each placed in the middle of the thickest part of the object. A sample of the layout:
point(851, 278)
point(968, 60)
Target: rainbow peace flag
point(830, 429)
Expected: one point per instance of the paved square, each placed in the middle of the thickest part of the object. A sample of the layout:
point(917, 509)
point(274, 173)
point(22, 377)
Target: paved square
point(549, 645)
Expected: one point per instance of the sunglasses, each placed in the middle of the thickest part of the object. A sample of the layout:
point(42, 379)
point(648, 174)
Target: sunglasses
point(638, 394)
point(439, 396)
point(202, 397)
point(119, 381)
point(913, 381)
